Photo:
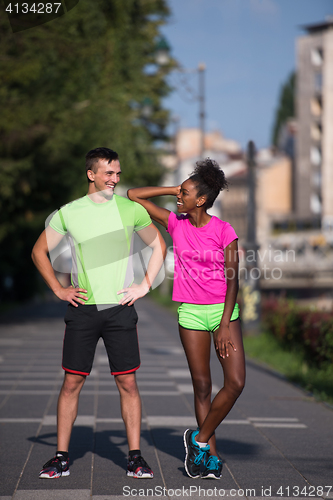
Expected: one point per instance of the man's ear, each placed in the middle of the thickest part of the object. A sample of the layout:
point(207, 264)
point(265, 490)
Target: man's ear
point(91, 175)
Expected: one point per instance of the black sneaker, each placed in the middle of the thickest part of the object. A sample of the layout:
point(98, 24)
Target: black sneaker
point(194, 454)
point(54, 468)
point(138, 467)
point(212, 468)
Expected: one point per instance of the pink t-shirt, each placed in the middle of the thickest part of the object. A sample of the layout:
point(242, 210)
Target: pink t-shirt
point(199, 259)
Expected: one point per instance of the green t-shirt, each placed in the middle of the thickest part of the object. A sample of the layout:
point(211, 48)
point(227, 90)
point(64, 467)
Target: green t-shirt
point(100, 238)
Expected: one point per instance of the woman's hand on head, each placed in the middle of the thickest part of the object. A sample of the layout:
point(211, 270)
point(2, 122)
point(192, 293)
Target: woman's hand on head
point(177, 189)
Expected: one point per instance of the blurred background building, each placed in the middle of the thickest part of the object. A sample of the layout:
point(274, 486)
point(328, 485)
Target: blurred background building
point(45, 134)
point(294, 180)
point(314, 98)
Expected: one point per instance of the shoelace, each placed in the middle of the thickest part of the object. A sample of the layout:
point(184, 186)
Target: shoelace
point(212, 463)
point(56, 461)
point(139, 460)
point(200, 455)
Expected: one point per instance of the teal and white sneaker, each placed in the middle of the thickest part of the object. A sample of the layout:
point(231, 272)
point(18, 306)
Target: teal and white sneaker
point(194, 454)
point(212, 468)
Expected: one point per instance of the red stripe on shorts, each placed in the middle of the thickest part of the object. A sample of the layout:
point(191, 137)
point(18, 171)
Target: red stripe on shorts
point(128, 371)
point(75, 372)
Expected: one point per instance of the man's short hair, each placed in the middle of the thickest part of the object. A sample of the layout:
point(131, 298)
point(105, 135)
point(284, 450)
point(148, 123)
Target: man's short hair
point(96, 154)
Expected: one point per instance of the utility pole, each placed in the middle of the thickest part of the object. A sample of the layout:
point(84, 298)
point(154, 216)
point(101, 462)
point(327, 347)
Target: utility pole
point(251, 287)
point(201, 73)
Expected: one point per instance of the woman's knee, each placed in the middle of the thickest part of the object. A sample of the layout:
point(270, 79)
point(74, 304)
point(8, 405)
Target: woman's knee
point(202, 387)
point(235, 386)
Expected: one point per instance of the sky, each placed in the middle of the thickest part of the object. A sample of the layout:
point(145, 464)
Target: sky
point(249, 49)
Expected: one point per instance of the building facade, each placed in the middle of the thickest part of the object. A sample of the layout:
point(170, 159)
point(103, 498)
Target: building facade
point(314, 107)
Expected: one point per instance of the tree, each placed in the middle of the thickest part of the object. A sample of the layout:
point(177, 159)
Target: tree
point(66, 87)
point(286, 106)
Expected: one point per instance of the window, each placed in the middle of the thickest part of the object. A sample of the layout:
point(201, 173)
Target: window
point(317, 57)
point(315, 203)
point(315, 154)
point(316, 106)
point(316, 132)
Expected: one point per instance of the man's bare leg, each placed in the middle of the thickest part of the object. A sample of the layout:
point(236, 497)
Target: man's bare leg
point(68, 402)
point(130, 403)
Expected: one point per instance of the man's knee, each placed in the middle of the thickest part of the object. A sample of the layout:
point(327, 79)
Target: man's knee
point(127, 384)
point(72, 384)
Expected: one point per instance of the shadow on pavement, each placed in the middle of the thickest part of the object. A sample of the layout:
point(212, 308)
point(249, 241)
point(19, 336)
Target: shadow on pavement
point(166, 440)
point(84, 440)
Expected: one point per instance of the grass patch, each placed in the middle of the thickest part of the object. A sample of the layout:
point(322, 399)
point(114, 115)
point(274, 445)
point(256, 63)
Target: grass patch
point(291, 363)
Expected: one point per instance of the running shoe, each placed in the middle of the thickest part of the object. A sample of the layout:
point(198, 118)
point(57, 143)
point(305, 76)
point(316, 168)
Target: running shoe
point(194, 454)
point(212, 468)
point(54, 468)
point(138, 467)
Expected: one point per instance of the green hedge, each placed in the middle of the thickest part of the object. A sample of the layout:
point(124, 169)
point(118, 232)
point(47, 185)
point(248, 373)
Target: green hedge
point(300, 328)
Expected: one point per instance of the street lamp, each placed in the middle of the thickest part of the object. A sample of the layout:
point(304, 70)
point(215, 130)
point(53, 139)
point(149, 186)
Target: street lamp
point(162, 51)
point(146, 107)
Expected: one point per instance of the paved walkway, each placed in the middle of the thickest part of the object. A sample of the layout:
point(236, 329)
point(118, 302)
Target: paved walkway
point(276, 441)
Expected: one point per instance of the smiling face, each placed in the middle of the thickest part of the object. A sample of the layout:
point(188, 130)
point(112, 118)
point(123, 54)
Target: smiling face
point(105, 178)
point(187, 199)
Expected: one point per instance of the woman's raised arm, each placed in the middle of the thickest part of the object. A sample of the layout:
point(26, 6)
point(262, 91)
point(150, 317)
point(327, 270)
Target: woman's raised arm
point(142, 194)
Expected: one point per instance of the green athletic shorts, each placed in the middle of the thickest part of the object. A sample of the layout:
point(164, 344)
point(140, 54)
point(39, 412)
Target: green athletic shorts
point(203, 317)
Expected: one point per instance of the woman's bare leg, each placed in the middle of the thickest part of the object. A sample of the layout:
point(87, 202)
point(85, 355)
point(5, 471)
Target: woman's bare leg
point(234, 380)
point(196, 345)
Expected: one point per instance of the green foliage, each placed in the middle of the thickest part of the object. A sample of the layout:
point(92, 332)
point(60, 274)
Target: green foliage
point(290, 361)
point(310, 332)
point(286, 106)
point(66, 87)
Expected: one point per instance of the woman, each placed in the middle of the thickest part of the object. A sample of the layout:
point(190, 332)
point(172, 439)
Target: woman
point(204, 247)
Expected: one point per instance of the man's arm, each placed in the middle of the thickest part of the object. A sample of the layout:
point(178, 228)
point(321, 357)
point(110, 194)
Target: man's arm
point(152, 238)
point(47, 241)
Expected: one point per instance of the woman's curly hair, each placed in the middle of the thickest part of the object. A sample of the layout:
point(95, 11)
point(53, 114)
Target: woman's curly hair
point(210, 180)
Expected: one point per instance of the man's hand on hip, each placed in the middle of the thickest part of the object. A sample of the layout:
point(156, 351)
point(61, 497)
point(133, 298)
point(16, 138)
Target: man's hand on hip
point(71, 295)
point(133, 293)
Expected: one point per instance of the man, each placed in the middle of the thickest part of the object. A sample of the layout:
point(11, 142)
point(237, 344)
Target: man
point(99, 228)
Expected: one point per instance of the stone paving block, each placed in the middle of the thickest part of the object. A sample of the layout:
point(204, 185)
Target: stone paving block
point(165, 405)
point(109, 407)
point(16, 441)
point(25, 406)
point(80, 454)
point(75, 494)
point(110, 463)
point(257, 442)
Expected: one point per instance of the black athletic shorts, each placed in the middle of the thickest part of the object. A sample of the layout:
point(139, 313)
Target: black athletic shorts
point(117, 327)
